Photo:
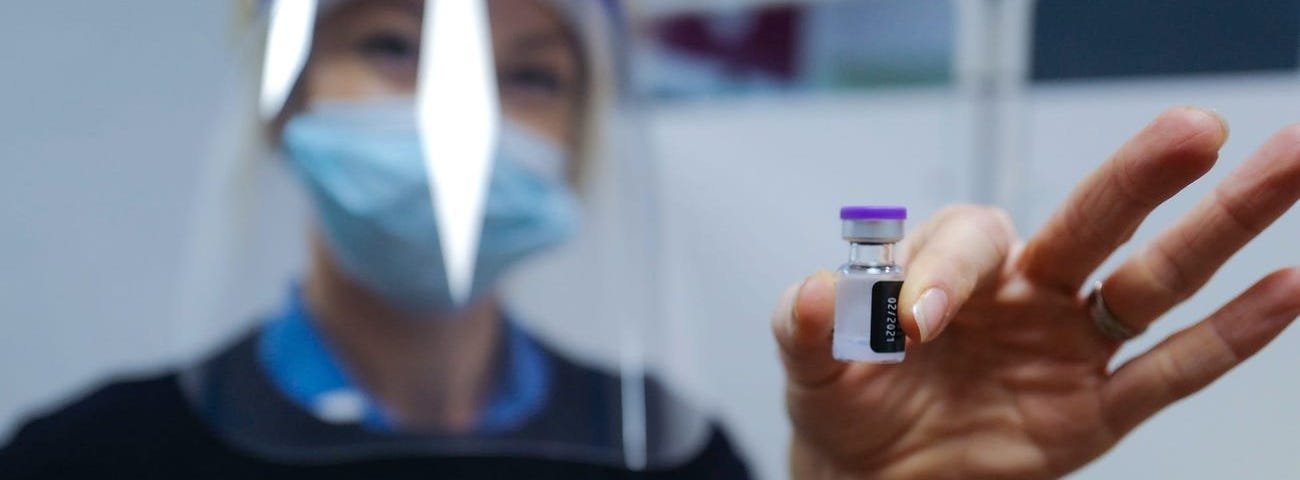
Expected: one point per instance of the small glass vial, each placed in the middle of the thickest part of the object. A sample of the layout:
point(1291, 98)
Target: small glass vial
point(866, 290)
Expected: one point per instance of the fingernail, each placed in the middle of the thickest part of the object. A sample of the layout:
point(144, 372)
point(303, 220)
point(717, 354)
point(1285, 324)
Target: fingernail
point(820, 280)
point(786, 310)
point(1223, 122)
point(929, 311)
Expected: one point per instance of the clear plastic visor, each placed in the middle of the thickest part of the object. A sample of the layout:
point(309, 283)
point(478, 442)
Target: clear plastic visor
point(475, 270)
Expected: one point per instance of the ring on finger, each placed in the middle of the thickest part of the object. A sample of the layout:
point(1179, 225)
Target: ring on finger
point(1104, 318)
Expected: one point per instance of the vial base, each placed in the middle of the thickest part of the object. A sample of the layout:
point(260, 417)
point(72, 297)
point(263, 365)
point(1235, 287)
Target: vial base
point(849, 348)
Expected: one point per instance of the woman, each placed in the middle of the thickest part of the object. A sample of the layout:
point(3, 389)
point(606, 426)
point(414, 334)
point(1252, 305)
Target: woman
point(1006, 375)
point(373, 369)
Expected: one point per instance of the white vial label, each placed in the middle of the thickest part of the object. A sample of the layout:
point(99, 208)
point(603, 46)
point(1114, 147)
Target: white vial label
point(866, 319)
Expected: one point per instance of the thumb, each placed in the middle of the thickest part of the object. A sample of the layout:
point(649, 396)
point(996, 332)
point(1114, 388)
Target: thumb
point(803, 324)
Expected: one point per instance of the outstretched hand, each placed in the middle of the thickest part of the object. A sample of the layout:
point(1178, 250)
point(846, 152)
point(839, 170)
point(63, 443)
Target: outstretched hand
point(1006, 373)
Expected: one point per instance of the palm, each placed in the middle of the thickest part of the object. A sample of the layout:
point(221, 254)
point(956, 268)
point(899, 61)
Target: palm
point(1011, 372)
point(1017, 385)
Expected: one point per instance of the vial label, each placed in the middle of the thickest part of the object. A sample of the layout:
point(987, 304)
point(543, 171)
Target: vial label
point(886, 334)
point(866, 318)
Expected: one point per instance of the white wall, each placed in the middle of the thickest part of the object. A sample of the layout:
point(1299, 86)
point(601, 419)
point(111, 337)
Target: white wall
point(105, 111)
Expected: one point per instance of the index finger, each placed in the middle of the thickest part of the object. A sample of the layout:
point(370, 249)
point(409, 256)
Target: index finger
point(962, 249)
point(1105, 209)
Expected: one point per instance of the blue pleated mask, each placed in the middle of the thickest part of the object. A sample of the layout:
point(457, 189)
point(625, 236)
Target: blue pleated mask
point(363, 165)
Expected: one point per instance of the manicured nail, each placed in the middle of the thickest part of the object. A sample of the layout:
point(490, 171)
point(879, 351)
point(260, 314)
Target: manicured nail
point(929, 311)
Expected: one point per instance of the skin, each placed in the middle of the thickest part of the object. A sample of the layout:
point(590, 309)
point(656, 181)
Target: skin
point(1008, 377)
point(429, 370)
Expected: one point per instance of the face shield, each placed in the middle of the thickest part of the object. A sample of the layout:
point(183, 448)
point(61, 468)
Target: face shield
point(448, 246)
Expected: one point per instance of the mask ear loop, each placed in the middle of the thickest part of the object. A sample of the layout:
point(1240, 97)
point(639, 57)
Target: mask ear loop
point(458, 114)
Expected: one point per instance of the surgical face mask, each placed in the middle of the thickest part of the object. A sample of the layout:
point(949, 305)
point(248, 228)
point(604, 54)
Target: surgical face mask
point(363, 165)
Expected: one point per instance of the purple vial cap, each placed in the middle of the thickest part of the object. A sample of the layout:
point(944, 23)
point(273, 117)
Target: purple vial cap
point(873, 212)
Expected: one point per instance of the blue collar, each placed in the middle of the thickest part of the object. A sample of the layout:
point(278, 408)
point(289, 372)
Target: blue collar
point(302, 365)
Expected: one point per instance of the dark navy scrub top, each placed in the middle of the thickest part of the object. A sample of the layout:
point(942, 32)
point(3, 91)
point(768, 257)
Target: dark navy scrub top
point(277, 403)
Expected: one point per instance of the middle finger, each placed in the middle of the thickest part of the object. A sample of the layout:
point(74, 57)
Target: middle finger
point(1103, 211)
point(1179, 261)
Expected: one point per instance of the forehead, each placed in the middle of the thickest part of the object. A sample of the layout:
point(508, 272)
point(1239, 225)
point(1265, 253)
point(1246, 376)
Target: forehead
point(506, 16)
point(524, 16)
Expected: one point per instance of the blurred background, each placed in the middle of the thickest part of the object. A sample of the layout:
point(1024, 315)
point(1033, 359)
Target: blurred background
point(763, 117)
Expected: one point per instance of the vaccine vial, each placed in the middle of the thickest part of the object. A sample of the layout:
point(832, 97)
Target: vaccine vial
point(867, 287)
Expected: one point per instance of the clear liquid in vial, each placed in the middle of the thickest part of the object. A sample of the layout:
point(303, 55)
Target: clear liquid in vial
point(867, 327)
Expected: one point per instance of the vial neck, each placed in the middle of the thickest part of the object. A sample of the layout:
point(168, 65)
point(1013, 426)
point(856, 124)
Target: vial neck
point(871, 254)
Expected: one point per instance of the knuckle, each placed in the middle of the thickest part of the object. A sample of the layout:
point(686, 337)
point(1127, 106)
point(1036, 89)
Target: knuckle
point(968, 272)
point(994, 225)
point(1003, 218)
point(959, 210)
point(1168, 275)
point(1237, 207)
point(1084, 230)
point(1174, 377)
point(1128, 182)
point(997, 224)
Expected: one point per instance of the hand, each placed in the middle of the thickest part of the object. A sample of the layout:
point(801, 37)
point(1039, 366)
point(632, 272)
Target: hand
point(1006, 373)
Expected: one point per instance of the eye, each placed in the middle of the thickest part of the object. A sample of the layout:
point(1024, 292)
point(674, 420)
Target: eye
point(534, 80)
point(391, 49)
